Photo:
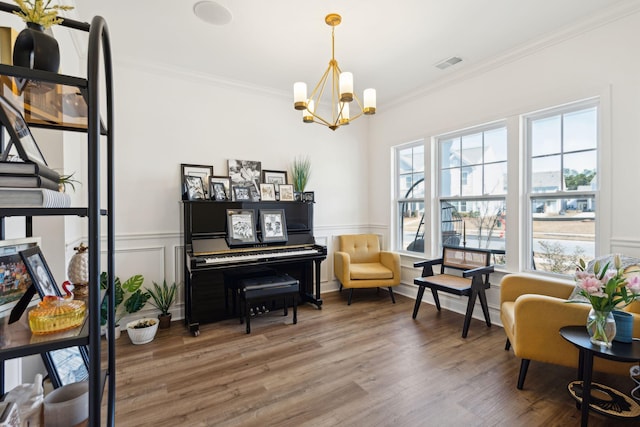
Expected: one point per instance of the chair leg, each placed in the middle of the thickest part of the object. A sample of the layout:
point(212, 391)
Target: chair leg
point(524, 365)
point(391, 293)
point(469, 314)
point(485, 306)
point(340, 287)
point(295, 310)
point(418, 301)
point(507, 346)
point(350, 295)
point(286, 309)
point(435, 298)
point(247, 316)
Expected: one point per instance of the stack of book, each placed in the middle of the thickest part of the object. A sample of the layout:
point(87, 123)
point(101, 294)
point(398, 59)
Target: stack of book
point(28, 184)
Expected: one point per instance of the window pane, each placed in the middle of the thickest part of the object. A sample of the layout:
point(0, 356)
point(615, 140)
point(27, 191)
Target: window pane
point(450, 153)
point(545, 136)
point(581, 130)
point(580, 171)
point(472, 149)
point(495, 145)
point(450, 182)
point(412, 226)
point(471, 180)
point(563, 231)
point(417, 192)
point(495, 178)
point(545, 175)
point(418, 159)
point(405, 160)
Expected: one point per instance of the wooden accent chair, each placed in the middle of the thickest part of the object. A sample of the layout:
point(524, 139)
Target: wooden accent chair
point(474, 264)
point(359, 263)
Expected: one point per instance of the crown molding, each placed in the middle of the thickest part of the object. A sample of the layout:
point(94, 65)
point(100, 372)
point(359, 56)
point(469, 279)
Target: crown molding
point(620, 11)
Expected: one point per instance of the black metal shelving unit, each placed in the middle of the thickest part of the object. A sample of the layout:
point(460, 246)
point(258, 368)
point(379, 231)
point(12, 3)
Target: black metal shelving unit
point(20, 342)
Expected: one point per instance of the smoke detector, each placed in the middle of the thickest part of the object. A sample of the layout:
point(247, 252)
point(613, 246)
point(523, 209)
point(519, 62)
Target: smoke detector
point(212, 12)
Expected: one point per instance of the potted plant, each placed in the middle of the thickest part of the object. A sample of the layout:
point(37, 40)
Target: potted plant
point(40, 12)
point(67, 180)
point(142, 331)
point(161, 298)
point(300, 172)
point(130, 293)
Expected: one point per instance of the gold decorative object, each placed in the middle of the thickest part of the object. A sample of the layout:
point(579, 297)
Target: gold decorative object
point(56, 314)
point(341, 89)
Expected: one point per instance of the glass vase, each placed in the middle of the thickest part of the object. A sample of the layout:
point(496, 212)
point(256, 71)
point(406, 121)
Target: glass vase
point(601, 326)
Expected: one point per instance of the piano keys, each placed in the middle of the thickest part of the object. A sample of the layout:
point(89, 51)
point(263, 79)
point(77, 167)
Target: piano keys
point(211, 266)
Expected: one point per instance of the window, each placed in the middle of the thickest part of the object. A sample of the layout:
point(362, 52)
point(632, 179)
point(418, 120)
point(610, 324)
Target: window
point(472, 188)
point(410, 197)
point(562, 186)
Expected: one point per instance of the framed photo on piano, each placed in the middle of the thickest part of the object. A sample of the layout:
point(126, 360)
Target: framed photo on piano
point(202, 171)
point(241, 227)
point(273, 225)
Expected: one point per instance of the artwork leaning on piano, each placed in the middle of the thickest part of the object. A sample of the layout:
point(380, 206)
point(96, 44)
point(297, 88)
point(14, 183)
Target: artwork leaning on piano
point(241, 227)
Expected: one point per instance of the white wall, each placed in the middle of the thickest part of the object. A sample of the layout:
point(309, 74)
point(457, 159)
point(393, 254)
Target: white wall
point(599, 62)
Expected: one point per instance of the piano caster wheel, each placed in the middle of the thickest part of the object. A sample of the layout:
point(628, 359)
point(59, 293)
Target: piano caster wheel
point(196, 333)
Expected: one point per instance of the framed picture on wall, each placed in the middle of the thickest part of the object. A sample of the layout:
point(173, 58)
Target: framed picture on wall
point(202, 171)
point(273, 225)
point(39, 271)
point(241, 227)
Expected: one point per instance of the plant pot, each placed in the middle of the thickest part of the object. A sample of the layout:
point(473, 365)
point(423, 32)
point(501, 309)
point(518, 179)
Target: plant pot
point(145, 334)
point(165, 321)
point(116, 332)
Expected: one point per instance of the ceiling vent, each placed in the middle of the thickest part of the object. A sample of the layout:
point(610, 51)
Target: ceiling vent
point(448, 62)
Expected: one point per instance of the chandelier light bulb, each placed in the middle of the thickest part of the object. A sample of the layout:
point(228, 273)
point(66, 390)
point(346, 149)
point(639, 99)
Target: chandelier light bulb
point(300, 95)
point(369, 97)
point(344, 113)
point(307, 117)
point(346, 87)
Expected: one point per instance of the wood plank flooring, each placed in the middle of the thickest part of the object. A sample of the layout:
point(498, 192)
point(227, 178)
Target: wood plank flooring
point(368, 364)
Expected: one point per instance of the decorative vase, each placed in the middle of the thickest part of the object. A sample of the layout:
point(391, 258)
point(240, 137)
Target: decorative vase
point(624, 326)
point(601, 327)
point(142, 331)
point(78, 271)
point(35, 49)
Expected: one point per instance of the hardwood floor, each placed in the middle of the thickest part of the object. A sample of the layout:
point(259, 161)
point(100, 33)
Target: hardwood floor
point(368, 364)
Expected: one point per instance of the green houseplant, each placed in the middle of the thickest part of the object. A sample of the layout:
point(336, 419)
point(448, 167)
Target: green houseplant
point(161, 298)
point(300, 173)
point(128, 294)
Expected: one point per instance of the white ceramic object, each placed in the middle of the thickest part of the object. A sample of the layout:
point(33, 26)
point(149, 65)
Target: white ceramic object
point(142, 335)
point(67, 406)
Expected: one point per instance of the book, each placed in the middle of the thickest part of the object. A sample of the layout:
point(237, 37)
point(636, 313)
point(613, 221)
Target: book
point(28, 181)
point(7, 40)
point(33, 198)
point(28, 168)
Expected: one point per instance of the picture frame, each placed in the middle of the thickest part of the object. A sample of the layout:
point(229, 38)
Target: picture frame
point(224, 180)
point(217, 191)
point(67, 365)
point(308, 196)
point(19, 133)
point(242, 193)
point(195, 189)
point(273, 225)
point(15, 280)
point(267, 192)
point(203, 171)
point(286, 193)
point(241, 227)
point(245, 172)
point(274, 177)
point(39, 271)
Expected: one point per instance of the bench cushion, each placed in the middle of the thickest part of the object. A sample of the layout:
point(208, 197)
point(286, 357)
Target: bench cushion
point(370, 271)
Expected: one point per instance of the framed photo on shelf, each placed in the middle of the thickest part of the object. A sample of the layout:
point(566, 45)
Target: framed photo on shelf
point(20, 133)
point(39, 271)
point(195, 189)
point(67, 365)
point(267, 192)
point(224, 180)
point(241, 227)
point(286, 193)
point(274, 177)
point(241, 193)
point(273, 225)
point(202, 171)
point(308, 196)
point(217, 191)
point(246, 173)
point(14, 277)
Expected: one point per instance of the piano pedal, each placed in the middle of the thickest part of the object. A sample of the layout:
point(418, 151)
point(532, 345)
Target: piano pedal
point(264, 309)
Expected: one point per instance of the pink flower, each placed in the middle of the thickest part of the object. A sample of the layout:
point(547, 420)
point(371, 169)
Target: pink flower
point(592, 286)
point(633, 284)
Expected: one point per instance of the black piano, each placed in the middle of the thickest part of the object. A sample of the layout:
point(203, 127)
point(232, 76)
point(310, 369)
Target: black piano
point(211, 266)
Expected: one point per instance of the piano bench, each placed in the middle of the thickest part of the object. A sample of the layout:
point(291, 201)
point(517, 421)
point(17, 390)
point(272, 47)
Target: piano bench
point(268, 287)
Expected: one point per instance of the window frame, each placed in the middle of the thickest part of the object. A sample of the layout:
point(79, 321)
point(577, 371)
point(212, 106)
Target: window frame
point(399, 198)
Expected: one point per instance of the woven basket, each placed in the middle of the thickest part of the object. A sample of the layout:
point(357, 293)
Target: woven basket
point(142, 335)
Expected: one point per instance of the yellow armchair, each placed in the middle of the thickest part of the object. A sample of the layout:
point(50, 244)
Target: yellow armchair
point(359, 263)
point(533, 309)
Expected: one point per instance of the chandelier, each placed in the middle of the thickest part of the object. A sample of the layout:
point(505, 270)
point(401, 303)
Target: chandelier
point(341, 88)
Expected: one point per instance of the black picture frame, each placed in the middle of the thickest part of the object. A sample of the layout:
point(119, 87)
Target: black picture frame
point(20, 133)
point(15, 280)
point(67, 365)
point(245, 172)
point(217, 191)
point(242, 193)
point(274, 177)
point(203, 171)
point(241, 227)
point(308, 196)
point(195, 187)
point(224, 180)
point(273, 225)
point(40, 273)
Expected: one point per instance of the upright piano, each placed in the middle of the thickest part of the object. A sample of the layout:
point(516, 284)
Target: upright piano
point(211, 265)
